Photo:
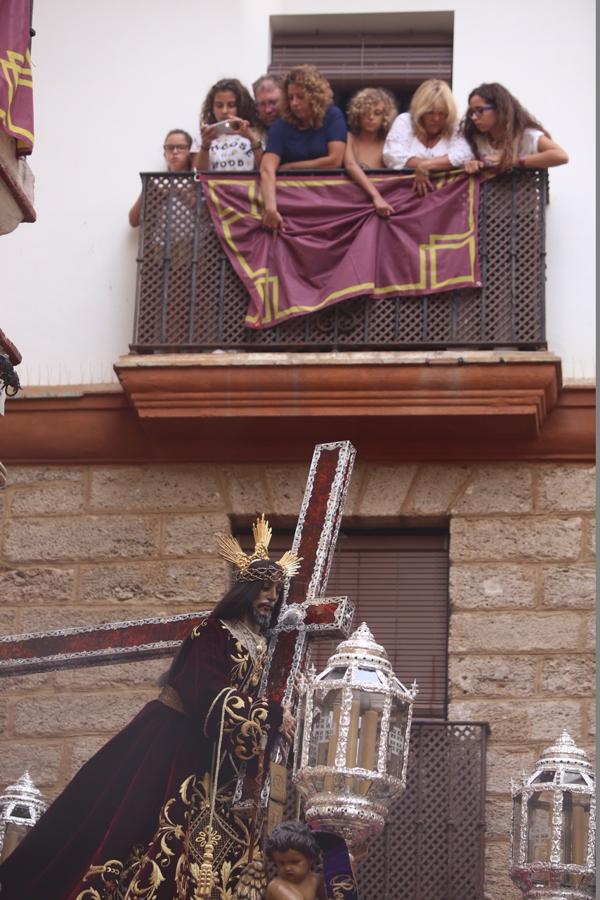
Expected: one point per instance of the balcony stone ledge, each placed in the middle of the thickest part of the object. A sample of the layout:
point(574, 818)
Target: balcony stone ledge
point(438, 406)
point(443, 393)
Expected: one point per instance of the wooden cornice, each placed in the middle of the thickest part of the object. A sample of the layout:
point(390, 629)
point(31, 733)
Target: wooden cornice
point(511, 394)
point(254, 407)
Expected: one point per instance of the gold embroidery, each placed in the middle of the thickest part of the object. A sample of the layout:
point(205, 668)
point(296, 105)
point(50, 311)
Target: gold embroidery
point(255, 644)
point(195, 632)
point(175, 852)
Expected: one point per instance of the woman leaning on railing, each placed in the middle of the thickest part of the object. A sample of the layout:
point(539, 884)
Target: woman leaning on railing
point(311, 134)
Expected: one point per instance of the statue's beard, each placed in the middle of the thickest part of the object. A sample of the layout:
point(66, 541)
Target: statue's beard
point(263, 620)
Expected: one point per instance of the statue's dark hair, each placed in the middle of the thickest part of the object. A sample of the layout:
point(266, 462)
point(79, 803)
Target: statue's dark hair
point(293, 836)
point(233, 605)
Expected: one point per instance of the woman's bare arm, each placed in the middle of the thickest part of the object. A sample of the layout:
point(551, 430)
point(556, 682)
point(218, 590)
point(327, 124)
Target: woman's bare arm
point(271, 218)
point(135, 213)
point(549, 154)
point(354, 171)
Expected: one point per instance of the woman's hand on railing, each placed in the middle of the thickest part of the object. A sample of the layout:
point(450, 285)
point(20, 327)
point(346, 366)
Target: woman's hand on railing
point(472, 166)
point(422, 184)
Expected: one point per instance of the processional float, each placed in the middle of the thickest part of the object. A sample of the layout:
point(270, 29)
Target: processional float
point(354, 717)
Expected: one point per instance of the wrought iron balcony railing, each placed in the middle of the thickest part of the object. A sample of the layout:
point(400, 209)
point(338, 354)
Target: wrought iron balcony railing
point(189, 298)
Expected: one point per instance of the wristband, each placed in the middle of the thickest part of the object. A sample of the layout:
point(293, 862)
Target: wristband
point(522, 161)
point(257, 146)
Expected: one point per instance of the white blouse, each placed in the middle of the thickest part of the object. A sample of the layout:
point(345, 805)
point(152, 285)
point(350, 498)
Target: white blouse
point(528, 144)
point(402, 143)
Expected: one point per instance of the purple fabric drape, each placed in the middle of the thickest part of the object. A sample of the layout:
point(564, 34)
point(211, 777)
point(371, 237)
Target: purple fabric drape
point(334, 246)
point(16, 89)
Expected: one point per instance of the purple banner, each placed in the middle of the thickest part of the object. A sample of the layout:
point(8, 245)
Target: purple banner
point(334, 246)
point(16, 88)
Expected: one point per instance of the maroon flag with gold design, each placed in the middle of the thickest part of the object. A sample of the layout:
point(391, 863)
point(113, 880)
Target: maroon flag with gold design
point(16, 87)
point(334, 246)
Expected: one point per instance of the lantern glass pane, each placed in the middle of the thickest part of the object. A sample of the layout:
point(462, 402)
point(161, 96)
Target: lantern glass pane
point(544, 777)
point(576, 820)
point(324, 732)
point(517, 821)
point(369, 676)
point(539, 831)
point(396, 738)
point(335, 674)
point(573, 778)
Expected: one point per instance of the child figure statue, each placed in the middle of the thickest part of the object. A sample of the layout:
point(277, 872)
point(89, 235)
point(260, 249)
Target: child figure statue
point(294, 850)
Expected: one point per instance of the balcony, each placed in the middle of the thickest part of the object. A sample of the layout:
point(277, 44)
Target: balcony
point(189, 299)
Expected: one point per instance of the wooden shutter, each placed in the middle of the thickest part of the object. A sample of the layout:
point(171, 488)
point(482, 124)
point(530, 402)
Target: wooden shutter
point(393, 60)
point(398, 582)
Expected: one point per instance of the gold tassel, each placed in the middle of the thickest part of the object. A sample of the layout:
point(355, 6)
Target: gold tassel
point(206, 877)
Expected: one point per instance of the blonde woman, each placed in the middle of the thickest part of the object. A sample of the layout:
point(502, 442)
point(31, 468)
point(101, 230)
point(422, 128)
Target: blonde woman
point(426, 138)
point(370, 115)
point(311, 134)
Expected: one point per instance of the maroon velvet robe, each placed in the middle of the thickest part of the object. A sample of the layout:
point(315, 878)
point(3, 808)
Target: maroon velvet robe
point(134, 818)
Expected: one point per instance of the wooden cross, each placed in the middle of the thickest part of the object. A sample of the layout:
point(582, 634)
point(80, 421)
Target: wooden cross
point(158, 637)
point(305, 612)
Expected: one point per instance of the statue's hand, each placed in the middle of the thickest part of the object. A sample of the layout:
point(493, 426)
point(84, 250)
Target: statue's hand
point(288, 724)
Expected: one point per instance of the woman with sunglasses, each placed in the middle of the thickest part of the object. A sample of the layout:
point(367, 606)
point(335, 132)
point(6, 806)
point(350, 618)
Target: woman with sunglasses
point(426, 138)
point(503, 134)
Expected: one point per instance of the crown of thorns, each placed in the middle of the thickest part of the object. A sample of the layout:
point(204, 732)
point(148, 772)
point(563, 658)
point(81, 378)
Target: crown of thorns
point(257, 566)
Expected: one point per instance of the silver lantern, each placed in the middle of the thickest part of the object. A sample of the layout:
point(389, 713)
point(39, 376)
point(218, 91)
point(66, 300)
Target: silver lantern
point(351, 751)
point(554, 826)
point(21, 805)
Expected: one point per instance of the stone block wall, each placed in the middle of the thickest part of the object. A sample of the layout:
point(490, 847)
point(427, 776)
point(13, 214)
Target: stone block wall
point(93, 544)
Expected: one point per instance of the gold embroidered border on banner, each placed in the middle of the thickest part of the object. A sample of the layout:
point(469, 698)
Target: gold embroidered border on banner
point(267, 284)
point(16, 71)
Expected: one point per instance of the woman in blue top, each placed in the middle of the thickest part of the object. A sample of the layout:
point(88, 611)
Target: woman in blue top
point(311, 134)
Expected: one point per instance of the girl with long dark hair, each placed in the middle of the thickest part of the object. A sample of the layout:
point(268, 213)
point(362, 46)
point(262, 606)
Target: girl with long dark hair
point(228, 141)
point(503, 134)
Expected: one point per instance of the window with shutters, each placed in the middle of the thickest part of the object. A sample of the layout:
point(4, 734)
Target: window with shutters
point(393, 50)
point(398, 582)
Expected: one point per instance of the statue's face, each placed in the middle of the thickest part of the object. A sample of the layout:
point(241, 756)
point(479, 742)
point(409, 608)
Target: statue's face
point(262, 605)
